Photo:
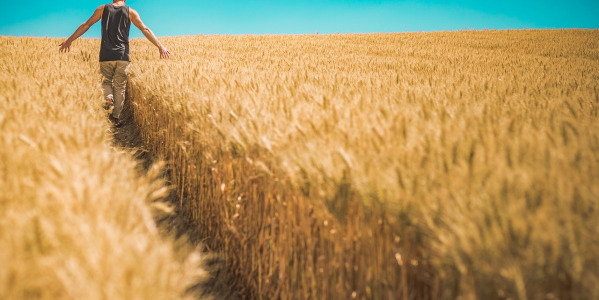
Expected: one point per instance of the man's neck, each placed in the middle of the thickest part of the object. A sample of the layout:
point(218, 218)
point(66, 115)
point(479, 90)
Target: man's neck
point(118, 3)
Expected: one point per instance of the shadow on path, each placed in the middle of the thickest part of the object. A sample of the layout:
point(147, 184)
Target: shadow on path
point(187, 235)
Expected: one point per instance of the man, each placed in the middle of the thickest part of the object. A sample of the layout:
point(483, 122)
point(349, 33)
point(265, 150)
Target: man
point(114, 52)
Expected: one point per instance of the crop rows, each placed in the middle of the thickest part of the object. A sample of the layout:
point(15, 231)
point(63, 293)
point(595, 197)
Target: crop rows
point(416, 165)
point(75, 214)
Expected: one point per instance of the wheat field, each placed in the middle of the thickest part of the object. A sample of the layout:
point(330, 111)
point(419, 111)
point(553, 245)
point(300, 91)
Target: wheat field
point(384, 166)
point(75, 214)
point(379, 166)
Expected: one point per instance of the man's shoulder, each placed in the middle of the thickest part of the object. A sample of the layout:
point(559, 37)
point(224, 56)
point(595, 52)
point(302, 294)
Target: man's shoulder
point(132, 11)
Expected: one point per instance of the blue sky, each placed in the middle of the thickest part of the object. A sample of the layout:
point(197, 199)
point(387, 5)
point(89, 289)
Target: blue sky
point(189, 17)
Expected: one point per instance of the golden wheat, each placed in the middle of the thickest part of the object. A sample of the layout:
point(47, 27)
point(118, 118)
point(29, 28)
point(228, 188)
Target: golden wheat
point(75, 215)
point(416, 165)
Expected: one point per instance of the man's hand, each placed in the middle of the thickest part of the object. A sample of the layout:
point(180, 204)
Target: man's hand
point(164, 53)
point(65, 46)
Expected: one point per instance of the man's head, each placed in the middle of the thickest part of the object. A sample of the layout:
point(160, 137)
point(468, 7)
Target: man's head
point(115, 1)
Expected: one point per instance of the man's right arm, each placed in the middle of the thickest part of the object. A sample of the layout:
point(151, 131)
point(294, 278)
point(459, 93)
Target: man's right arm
point(136, 20)
point(66, 45)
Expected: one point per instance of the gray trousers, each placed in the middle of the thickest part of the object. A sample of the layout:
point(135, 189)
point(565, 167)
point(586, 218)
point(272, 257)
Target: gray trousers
point(114, 83)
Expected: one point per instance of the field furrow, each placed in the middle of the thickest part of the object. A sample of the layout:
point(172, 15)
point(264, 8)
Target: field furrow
point(76, 216)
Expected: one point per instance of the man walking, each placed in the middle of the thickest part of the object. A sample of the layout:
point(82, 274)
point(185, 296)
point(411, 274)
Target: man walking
point(114, 52)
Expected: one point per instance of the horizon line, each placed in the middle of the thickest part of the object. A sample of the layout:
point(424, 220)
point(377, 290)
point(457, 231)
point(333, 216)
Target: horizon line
point(330, 33)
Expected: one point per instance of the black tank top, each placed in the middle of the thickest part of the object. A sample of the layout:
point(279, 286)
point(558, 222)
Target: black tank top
point(115, 33)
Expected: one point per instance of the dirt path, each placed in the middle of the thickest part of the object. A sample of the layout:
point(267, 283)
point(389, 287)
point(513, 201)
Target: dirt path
point(188, 236)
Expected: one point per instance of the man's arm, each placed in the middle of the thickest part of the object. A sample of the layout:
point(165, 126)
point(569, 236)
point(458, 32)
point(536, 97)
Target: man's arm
point(136, 20)
point(66, 45)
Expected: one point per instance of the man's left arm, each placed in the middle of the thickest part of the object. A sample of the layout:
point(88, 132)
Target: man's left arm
point(66, 45)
